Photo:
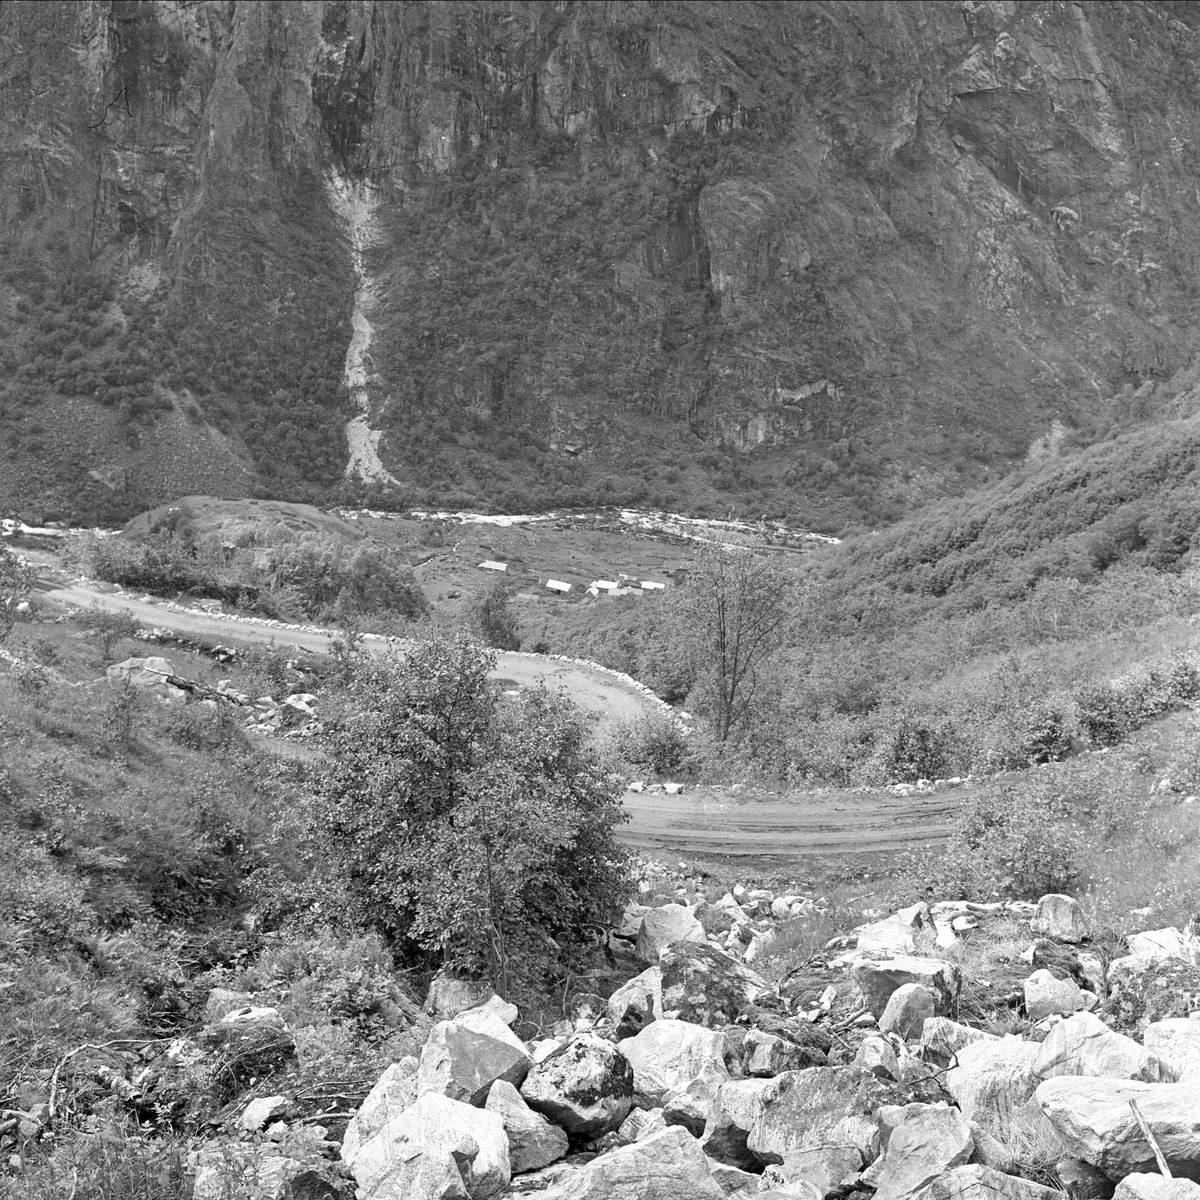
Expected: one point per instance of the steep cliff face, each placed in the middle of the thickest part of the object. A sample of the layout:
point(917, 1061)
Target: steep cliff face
point(798, 255)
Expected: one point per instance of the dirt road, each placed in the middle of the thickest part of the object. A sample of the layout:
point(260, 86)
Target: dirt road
point(702, 821)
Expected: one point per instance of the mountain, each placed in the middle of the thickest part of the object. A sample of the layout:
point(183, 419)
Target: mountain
point(819, 259)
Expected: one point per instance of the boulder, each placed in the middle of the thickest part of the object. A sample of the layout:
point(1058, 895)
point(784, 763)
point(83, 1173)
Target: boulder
point(733, 1179)
point(639, 1125)
point(251, 1172)
point(1176, 1041)
point(437, 1149)
point(493, 1006)
point(706, 986)
point(942, 1039)
point(635, 1004)
point(462, 1061)
point(667, 926)
point(222, 1001)
point(925, 1141)
point(764, 1055)
point(1144, 989)
point(533, 1142)
point(448, 997)
point(983, 1183)
point(877, 979)
point(1156, 1187)
point(393, 1092)
point(730, 1120)
point(827, 1168)
point(667, 1166)
point(262, 1110)
point(800, 1110)
point(991, 1079)
point(1084, 1045)
point(877, 1055)
point(679, 1067)
point(586, 1086)
point(907, 1010)
point(1045, 995)
point(1093, 1118)
point(773, 1183)
point(150, 675)
point(1059, 917)
point(1162, 943)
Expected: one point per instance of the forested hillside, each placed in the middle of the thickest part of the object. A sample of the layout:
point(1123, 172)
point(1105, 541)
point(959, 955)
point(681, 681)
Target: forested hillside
point(824, 260)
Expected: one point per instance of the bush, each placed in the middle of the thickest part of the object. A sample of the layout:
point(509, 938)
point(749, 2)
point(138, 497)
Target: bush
point(200, 727)
point(108, 626)
point(654, 741)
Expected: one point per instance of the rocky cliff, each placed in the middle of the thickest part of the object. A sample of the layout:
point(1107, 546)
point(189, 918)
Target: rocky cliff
point(815, 257)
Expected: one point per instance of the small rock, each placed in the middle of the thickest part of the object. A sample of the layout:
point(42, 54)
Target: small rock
point(262, 1111)
point(1045, 995)
point(1059, 917)
point(908, 1008)
point(664, 927)
point(877, 1055)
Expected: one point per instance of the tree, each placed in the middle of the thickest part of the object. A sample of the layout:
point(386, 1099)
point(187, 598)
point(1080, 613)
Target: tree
point(16, 580)
point(728, 617)
point(495, 620)
point(461, 824)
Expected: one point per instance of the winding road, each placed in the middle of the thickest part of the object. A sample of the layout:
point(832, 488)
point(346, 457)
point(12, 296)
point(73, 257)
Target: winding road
point(708, 822)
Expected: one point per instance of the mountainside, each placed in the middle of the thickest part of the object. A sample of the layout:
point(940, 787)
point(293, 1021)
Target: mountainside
point(819, 259)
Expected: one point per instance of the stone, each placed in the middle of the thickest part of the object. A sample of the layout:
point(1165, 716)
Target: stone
point(730, 1120)
point(877, 979)
point(1059, 917)
point(1162, 943)
point(925, 1141)
point(1045, 995)
point(877, 1055)
point(1084, 1045)
point(991, 1079)
point(462, 1061)
point(506, 1011)
point(437, 1149)
point(677, 1066)
point(533, 1142)
point(664, 927)
point(639, 1125)
point(1144, 989)
point(765, 1055)
point(261, 1111)
point(251, 1172)
point(636, 1003)
point(773, 1183)
point(1156, 1187)
point(732, 1179)
point(222, 1001)
point(821, 1106)
point(393, 1092)
point(907, 1010)
point(977, 1182)
point(448, 997)
point(826, 1168)
point(942, 1039)
point(150, 675)
point(1094, 1121)
point(586, 1086)
point(705, 985)
point(1177, 1042)
point(666, 1166)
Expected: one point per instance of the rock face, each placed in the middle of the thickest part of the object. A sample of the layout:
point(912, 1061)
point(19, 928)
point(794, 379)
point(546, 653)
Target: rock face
point(586, 1087)
point(1094, 1120)
point(437, 1149)
point(883, 146)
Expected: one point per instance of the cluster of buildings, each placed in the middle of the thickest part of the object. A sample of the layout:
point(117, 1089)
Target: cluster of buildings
point(623, 585)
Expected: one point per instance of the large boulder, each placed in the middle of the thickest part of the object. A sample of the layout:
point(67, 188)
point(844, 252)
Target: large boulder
point(976, 1182)
point(1176, 1041)
point(586, 1087)
point(1084, 1045)
point(730, 1121)
point(942, 1039)
point(1156, 1187)
point(1059, 917)
point(764, 1055)
point(1046, 995)
point(437, 1149)
point(679, 1067)
point(464, 1057)
point(923, 1142)
point(1094, 1120)
point(533, 1142)
point(637, 1003)
point(991, 1079)
point(667, 1166)
point(817, 1107)
point(704, 985)
point(908, 1008)
point(664, 927)
point(150, 675)
point(393, 1092)
point(1144, 989)
point(1163, 943)
point(877, 978)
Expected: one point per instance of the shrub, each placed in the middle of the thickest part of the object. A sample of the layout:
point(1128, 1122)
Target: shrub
point(108, 626)
point(654, 741)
